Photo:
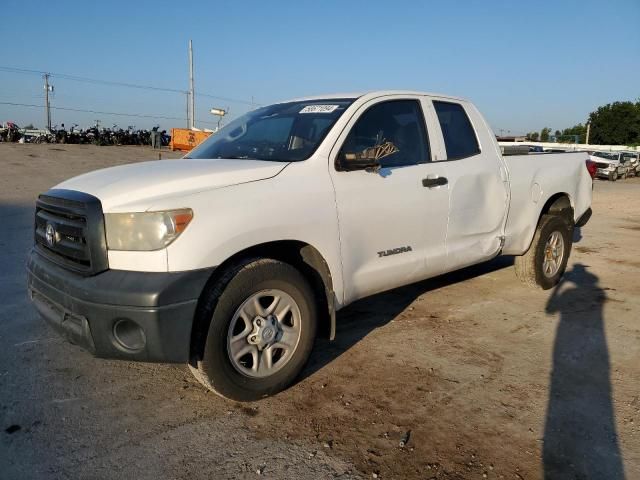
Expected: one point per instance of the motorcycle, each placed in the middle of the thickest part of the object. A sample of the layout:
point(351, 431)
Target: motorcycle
point(60, 134)
point(10, 133)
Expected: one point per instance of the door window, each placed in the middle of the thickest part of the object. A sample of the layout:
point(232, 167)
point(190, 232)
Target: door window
point(392, 132)
point(459, 138)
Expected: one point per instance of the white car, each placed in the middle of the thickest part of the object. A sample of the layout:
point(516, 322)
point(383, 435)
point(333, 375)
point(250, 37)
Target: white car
point(609, 165)
point(631, 160)
point(235, 257)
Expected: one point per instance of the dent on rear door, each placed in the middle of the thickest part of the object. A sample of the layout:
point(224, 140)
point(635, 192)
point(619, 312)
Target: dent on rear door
point(477, 210)
point(478, 196)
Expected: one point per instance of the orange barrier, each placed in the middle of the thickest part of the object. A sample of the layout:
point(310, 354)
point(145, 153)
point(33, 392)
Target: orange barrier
point(184, 139)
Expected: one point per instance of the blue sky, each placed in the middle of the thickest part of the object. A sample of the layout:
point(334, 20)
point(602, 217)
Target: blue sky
point(525, 64)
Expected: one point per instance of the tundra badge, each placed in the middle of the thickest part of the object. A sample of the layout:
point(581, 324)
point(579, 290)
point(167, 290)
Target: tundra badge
point(395, 251)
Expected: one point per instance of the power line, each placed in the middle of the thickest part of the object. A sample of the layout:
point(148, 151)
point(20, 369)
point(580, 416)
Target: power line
point(227, 99)
point(138, 115)
point(77, 78)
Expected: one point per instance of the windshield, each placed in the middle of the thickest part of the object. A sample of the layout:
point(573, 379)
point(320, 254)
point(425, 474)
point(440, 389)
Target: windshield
point(608, 156)
point(285, 132)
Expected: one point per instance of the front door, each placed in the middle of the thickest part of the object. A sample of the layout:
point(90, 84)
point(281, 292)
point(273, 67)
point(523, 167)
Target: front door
point(392, 222)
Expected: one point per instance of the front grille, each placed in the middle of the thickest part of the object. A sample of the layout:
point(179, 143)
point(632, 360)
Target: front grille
point(69, 230)
point(602, 165)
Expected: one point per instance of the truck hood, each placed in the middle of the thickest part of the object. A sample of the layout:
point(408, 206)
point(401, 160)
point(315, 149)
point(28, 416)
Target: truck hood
point(136, 186)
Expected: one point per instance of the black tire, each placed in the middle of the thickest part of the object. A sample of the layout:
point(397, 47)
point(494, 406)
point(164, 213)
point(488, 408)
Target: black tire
point(215, 370)
point(529, 267)
point(613, 176)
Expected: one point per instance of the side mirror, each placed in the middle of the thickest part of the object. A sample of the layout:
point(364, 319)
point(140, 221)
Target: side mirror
point(357, 161)
point(368, 159)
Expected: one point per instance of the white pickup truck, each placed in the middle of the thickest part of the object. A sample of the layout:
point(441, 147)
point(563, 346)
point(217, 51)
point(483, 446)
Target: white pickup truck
point(235, 257)
point(610, 165)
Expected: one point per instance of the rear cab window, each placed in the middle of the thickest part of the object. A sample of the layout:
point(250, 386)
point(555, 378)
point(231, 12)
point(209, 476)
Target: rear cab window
point(459, 136)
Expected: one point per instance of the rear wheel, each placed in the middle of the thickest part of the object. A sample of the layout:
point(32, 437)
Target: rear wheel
point(262, 330)
point(546, 260)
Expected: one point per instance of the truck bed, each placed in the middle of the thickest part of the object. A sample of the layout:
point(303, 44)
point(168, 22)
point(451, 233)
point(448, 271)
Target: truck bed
point(533, 179)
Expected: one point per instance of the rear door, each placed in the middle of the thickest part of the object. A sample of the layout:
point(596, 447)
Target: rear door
point(478, 184)
point(392, 225)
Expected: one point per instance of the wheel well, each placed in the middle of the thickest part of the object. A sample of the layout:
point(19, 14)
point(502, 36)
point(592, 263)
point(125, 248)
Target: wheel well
point(558, 204)
point(302, 256)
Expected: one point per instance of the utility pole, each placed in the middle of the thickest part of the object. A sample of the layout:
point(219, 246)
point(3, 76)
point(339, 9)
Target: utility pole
point(47, 88)
point(188, 108)
point(192, 102)
point(588, 132)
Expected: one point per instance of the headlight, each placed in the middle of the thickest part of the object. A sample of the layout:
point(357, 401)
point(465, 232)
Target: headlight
point(144, 231)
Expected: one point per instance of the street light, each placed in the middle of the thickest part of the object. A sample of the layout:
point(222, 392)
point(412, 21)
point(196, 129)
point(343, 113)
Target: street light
point(219, 112)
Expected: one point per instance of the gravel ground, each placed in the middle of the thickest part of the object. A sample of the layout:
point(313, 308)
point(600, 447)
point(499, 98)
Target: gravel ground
point(477, 375)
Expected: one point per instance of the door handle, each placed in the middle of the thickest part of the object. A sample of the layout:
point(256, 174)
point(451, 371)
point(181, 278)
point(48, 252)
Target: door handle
point(434, 182)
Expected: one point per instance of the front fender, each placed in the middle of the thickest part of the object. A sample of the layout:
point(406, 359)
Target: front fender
point(290, 207)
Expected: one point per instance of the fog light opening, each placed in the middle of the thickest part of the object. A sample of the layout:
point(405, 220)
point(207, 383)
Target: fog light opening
point(129, 335)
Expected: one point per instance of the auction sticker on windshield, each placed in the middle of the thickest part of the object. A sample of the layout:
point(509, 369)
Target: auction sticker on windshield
point(319, 108)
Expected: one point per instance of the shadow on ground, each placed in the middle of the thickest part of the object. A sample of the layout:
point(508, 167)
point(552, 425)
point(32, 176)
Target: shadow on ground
point(360, 318)
point(580, 439)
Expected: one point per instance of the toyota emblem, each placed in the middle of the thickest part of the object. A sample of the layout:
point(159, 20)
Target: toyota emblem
point(51, 235)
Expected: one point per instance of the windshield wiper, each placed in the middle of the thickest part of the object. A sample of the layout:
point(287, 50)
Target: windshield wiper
point(241, 157)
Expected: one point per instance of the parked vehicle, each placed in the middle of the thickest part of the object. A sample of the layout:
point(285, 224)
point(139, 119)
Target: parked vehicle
point(233, 258)
point(631, 161)
point(44, 136)
point(10, 132)
point(610, 165)
point(60, 134)
point(75, 134)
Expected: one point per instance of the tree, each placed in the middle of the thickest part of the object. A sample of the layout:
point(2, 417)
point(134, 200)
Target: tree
point(533, 136)
point(568, 135)
point(616, 123)
point(544, 134)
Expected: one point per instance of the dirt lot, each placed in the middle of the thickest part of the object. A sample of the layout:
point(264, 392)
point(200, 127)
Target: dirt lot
point(488, 378)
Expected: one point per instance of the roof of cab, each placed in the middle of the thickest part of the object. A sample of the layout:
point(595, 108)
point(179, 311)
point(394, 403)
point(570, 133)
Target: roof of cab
point(372, 94)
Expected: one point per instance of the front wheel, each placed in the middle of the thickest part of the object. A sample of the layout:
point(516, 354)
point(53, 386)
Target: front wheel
point(546, 260)
point(262, 330)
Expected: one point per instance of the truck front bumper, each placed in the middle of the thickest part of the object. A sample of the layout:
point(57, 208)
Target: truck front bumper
point(604, 172)
point(144, 316)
